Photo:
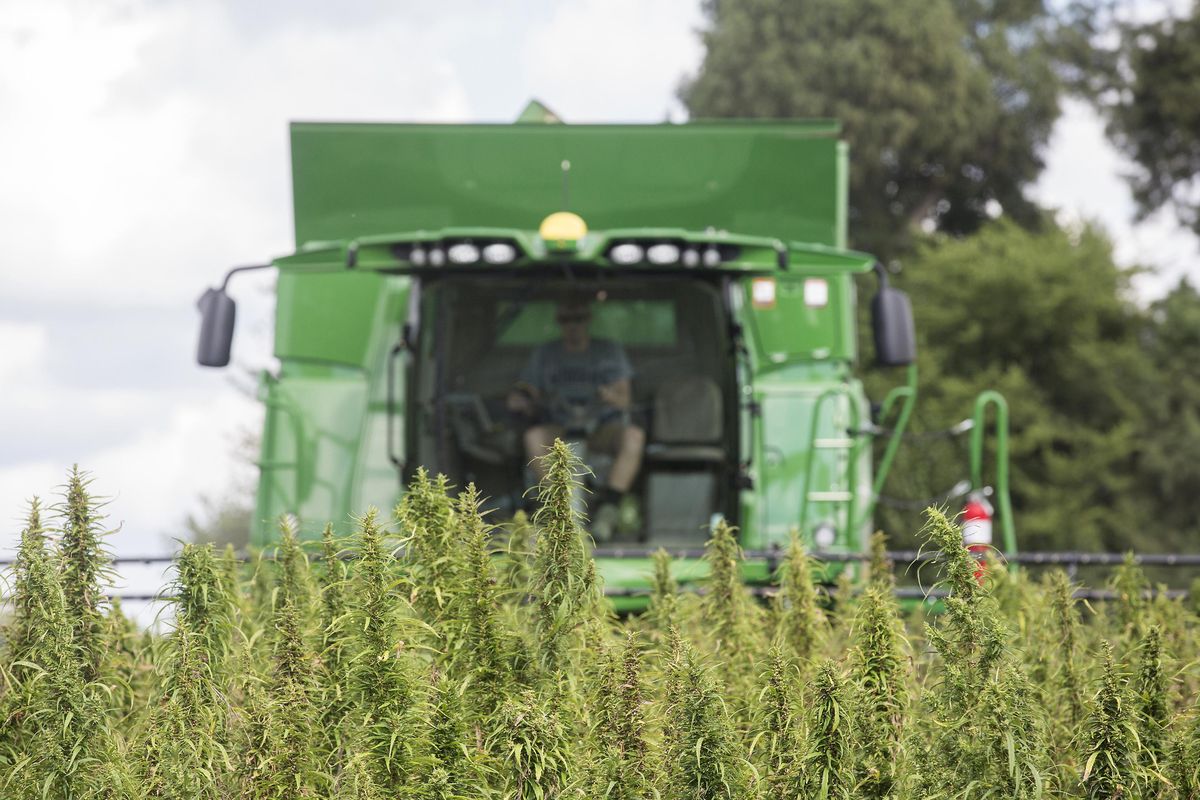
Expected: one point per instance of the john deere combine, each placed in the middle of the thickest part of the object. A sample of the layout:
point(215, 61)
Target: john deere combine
point(432, 260)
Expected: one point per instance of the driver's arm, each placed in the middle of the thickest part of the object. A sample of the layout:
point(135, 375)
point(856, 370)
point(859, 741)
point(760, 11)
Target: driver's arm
point(525, 395)
point(523, 398)
point(618, 394)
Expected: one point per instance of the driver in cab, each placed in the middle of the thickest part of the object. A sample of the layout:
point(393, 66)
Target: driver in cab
point(580, 387)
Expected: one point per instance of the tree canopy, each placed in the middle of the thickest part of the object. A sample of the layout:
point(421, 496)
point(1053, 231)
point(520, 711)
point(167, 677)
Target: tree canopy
point(945, 103)
point(1153, 102)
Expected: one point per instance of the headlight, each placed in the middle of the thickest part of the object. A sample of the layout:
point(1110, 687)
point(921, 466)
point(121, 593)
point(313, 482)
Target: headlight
point(691, 257)
point(824, 536)
point(437, 257)
point(418, 256)
point(499, 253)
point(712, 257)
point(463, 253)
point(663, 254)
point(626, 254)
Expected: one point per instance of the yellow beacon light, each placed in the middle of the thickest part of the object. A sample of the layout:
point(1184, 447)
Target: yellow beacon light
point(562, 229)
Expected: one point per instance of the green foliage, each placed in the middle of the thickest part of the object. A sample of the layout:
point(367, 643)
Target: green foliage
point(563, 586)
point(664, 590)
point(1154, 111)
point(282, 763)
point(826, 770)
point(704, 758)
point(482, 655)
point(55, 740)
point(382, 685)
point(991, 311)
point(427, 525)
point(1002, 749)
point(1152, 707)
point(18, 633)
point(535, 748)
point(799, 619)
point(264, 688)
point(779, 743)
point(727, 606)
point(622, 770)
point(1110, 764)
point(880, 680)
point(85, 567)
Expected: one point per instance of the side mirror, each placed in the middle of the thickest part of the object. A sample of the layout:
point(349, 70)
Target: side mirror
point(892, 321)
point(217, 311)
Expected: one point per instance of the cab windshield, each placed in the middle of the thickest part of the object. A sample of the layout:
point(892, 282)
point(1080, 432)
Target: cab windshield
point(635, 373)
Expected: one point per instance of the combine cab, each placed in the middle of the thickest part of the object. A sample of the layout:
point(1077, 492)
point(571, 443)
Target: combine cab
point(431, 259)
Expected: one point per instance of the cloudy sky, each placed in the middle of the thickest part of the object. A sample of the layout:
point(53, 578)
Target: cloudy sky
point(143, 150)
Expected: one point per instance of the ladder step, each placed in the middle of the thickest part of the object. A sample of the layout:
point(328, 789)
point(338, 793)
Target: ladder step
point(833, 444)
point(830, 497)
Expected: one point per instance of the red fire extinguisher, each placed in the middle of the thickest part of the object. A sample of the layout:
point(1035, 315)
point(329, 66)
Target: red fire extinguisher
point(977, 528)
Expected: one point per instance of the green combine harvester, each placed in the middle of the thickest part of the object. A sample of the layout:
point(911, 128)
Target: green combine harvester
point(436, 263)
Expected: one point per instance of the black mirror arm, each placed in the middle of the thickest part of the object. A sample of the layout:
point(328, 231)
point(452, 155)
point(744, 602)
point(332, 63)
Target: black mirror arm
point(235, 270)
point(881, 273)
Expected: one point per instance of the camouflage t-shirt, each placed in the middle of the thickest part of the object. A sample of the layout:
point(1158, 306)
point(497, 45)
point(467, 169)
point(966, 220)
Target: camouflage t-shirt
point(570, 381)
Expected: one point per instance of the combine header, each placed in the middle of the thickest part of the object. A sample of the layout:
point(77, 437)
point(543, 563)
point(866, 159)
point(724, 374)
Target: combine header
point(439, 266)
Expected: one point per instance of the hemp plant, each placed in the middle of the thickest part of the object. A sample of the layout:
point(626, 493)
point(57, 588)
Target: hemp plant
point(1152, 703)
point(704, 758)
point(621, 768)
point(21, 633)
point(535, 749)
point(429, 535)
point(801, 625)
point(482, 653)
point(282, 763)
point(204, 604)
point(777, 744)
point(879, 677)
point(1110, 763)
point(1065, 640)
point(664, 594)
point(86, 568)
point(60, 744)
point(967, 748)
point(517, 555)
point(563, 586)
point(381, 681)
point(334, 644)
point(826, 773)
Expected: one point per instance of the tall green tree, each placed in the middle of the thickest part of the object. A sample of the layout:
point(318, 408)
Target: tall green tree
point(1045, 317)
point(1167, 464)
point(945, 103)
point(1153, 104)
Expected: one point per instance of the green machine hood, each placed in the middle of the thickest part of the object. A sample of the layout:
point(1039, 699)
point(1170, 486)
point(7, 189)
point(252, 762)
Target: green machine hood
point(785, 180)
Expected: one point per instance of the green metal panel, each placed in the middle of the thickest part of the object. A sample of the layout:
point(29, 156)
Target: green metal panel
point(793, 328)
point(327, 317)
point(783, 179)
point(325, 452)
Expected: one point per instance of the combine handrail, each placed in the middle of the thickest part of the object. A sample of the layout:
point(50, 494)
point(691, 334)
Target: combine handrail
point(909, 394)
point(840, 390)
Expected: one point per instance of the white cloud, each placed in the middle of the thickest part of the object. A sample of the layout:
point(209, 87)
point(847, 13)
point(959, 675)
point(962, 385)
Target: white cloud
point(147, 147)
point(614, 60)
point(151, 481)
point(1084, 180)
point(25, 346)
